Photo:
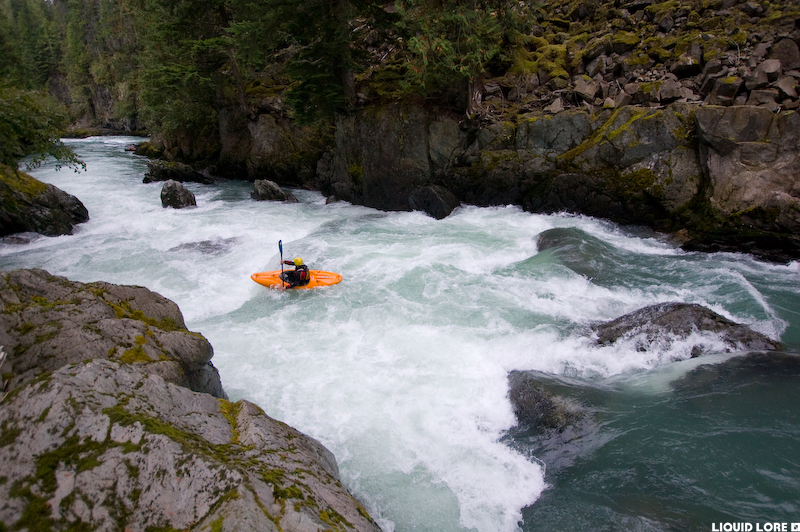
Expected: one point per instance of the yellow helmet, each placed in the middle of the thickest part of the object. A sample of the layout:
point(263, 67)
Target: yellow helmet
point(298, 261)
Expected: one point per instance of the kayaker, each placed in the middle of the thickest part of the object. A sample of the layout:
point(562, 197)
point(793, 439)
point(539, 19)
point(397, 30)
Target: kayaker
point(299, 277)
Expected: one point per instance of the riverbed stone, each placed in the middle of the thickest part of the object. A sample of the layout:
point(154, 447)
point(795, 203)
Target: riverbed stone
point(667, 322)
point(266, 190)
point(176, 195)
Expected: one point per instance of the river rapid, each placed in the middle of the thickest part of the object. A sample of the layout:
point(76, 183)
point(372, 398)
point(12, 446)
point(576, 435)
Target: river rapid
point(401, 370)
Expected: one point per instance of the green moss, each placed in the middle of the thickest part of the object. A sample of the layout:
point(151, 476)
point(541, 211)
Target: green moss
point(634, 183)
point(356, 172)
point(8, 434)
point(123, 309)
point(20, 181)
point(134, 355)
point(626, 38)
point(332, 518)
point(231, 413)
point(604, 133)
point(26, 327)
point(216, 526)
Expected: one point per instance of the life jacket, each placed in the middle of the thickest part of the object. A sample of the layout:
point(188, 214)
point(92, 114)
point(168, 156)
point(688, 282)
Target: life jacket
point(302, 276)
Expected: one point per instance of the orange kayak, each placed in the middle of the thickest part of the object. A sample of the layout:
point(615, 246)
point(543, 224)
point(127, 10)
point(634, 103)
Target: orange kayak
point(318, 278)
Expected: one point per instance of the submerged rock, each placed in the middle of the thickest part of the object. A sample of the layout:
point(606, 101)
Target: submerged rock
point(557, 422)
point(177, 196)
point(266, 190)
point(670, 321)
point(49, 321)
point(209, 247)
point(537, 408)
point(103, 446)
point(28, 205)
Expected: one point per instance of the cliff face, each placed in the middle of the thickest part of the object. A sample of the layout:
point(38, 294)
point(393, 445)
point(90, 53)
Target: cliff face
point(728, 176)
point(114, 418)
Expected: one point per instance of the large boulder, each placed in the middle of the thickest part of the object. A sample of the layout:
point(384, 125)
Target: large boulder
point(49, 321)
point(668, 322)
point(434, 200)
point(265, 190)
point(104, 446)
point(160, 170)
point(176, 195)
point(27, 204)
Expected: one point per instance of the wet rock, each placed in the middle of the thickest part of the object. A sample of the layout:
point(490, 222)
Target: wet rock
point(435, 200)
point(28, 205)
point(49, 322)
point(265, 190)
point(667, 322)
point(537, 408)
point(159, 170)
point(176, 195)
point(101, 445)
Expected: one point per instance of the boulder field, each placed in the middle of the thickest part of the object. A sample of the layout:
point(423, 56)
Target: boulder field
point(114, 418)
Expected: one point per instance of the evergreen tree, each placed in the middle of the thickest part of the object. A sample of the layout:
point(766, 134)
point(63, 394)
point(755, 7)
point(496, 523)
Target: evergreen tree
point(451, 42)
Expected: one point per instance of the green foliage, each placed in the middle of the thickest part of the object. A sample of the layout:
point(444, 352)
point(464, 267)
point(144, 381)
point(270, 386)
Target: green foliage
point(30, 127)
point(318, 41)
point(450, 39)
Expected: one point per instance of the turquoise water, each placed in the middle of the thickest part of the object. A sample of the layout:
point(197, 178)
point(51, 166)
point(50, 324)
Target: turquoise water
point(401, 369)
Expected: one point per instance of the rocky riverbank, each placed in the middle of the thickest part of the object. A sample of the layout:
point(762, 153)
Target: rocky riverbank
point(114, 418)
point(28, 205)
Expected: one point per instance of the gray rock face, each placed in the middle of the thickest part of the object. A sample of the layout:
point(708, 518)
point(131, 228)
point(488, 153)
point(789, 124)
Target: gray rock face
point(27, 204)
point(668, 321)
point(265, 190)
point(49, 321)
point(177, 196)
point(382, 155)
point(719, 172)
point(102, 446)
point(751, 157)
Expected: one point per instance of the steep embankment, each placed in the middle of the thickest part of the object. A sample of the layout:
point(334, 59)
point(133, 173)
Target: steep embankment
point(719, 177)
point(101, 429)
point(676, 115)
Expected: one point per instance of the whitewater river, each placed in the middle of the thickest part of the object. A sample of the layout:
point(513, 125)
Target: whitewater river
point(401, 370)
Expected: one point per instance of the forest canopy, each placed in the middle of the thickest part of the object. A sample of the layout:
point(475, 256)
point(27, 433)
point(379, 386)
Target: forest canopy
point(173, 65)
